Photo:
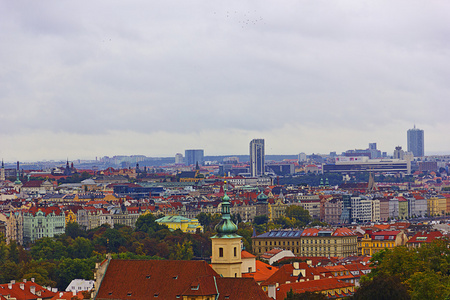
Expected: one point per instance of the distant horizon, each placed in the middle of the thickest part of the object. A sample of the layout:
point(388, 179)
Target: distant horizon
point(435, 153)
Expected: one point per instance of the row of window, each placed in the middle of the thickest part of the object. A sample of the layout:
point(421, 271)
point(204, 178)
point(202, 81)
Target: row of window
point(293, 243)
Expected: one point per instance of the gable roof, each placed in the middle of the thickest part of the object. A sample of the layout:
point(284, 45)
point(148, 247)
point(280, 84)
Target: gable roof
point(143, 279)
point(170, 279)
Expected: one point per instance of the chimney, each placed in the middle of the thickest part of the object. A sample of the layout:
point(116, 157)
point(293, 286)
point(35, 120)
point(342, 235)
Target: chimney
point(13, 282)
point(74, 293)
point(32, 279)
point(60, 294)
point(10, 286)
point(33, 289)
point(25, 280)
point(22, 286)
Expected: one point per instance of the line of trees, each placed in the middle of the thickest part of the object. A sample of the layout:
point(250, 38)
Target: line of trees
point(57, 261)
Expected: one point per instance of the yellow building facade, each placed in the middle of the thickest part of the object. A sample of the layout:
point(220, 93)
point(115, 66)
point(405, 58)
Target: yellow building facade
point(373, 242)
point(184, 224)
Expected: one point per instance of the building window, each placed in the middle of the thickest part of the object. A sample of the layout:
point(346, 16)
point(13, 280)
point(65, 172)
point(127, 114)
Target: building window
point(220, 252)
point(235, 251)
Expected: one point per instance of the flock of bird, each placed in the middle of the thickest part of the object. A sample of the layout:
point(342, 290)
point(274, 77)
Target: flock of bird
point(244, 19)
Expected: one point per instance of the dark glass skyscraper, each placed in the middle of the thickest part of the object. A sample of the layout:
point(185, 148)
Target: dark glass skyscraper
point(416, 142)
point(193, 156)
point(257, 162)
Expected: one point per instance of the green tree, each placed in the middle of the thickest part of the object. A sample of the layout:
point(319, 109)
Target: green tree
point(13, 252)
point(246, 231)
point(69, 269)
point(147, 223)
point(382, 288)
point(81, 248)
point(260, 220)
point(429, 285)
point(298, 213)
point(48, 248)
point(183, 251)
point(74, 230)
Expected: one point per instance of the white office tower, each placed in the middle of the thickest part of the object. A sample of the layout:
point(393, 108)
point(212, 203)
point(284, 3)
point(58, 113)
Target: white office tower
point(302, 157)
point(178, 159)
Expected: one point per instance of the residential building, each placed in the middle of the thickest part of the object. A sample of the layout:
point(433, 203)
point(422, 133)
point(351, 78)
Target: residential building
point(257, 157)
point(373, 242)
point(361, 209)
point(78, 285)
point(417, 206)
point(423, 238)
point(308, 242)
point(333, 211)
point(41, 222)
point(376, 210)
point(436, 205)
point(403, 213)
point(14, 226)
point(416, 142)
point(333, 288)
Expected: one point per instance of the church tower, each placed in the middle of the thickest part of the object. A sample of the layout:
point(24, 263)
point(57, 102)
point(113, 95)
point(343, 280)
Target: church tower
point(226, 244)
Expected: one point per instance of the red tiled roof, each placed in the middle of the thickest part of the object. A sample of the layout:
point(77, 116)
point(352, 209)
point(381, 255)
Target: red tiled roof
point(311, 286)
point(68, 296)
point(145, 278)
point(22, 291)
point(425, 237)
point(262, 273)
point(46, 210)
point(245, 254)
point(343, 232)
point(165, 279)
point(239, 289)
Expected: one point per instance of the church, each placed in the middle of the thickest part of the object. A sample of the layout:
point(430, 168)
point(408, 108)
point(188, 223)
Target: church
point(178, 279)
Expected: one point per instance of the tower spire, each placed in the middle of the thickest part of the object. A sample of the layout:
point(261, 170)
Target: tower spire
point(226, 227)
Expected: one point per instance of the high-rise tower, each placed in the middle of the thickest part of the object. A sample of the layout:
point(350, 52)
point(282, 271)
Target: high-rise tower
point(257, 163)
point(2, 172)
point(416, 142)
point(194, 156)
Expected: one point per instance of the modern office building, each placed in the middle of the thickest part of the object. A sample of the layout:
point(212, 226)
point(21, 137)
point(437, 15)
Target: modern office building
point(257, 157)
point(352, 165)
point(194, 156)
point(178, 159)
point(416, 142)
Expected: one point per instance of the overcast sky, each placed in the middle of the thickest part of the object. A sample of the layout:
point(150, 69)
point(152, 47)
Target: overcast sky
point(81, 79)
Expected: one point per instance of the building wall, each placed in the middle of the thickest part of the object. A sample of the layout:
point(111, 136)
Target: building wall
point(308, 246)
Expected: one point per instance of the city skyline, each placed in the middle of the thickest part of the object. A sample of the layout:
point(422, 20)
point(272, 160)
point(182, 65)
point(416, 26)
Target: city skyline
point(156, 78)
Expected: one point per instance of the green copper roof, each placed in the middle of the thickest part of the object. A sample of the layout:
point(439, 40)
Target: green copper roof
point(262, 197)
point(226, 227)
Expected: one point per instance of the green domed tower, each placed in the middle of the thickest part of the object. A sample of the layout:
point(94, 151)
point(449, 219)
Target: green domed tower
point(226, 244)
